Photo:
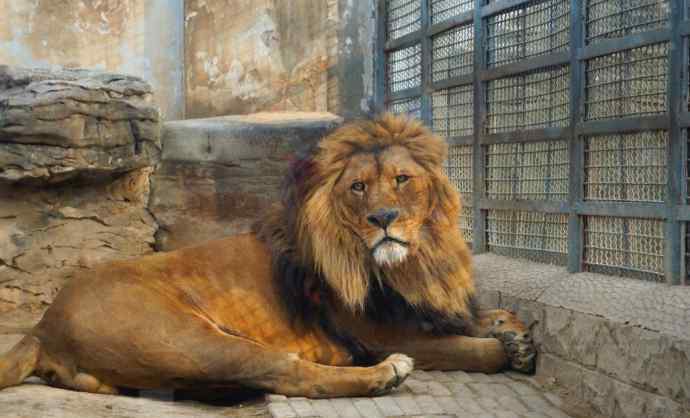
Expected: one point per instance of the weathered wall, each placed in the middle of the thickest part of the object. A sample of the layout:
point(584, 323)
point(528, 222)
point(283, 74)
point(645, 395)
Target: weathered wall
point(207, 57)
point(244, 56)
point(142, 38)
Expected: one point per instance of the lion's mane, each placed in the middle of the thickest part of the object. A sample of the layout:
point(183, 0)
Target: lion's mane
point(314, 253)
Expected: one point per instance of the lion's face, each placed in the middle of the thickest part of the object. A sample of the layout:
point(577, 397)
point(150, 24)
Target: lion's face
point(372, 201)
point(383, 199)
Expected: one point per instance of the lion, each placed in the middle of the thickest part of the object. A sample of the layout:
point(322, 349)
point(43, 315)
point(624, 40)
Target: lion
point(360, 269)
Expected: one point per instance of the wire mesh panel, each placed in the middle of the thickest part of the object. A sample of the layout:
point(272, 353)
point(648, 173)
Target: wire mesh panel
point(628, 167)
point(444, 9)
point(537, 236)
point(538, 28)
point(537, 99)
point(625, 246)
point(452, 53)
point(452, 111)
point(404, 68)
point(628, 83)
point(527, 171)
point(411, 106)
point(458, 168)
point(402, 17)
point(618, 18)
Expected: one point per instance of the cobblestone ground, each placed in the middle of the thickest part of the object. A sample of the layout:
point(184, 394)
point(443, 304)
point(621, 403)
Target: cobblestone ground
point(433, 394)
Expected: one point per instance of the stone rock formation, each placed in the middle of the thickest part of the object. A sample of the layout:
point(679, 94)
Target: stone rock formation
point(77, 149)
point(56, 125)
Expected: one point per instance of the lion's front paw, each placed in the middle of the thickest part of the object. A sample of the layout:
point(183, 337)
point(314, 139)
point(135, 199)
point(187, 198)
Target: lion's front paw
point(520, 349)
point(397, 368)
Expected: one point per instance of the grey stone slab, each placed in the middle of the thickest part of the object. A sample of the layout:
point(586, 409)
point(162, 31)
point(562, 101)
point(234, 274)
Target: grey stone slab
point(493, 390)
point(367, 408)
point(449, 405)
point(436, 388)
point(460, 389)
point(654, 306)
point(303, 407)
point(459, 376)
point(519, 278)
point(422, 375)
point(417, 387)
point(324, 408)
point(428, 404)
point(388, 406)
point(505, 414)
point(408, 405)
point(469, 404)
point(281, 410)
point(487, 403)
point(512, 403)
point(440, 376)
point(228, 139)
point(345, 408)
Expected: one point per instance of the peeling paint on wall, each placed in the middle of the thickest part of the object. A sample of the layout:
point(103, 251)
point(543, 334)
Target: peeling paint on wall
point(208, 57)
point(130, 36)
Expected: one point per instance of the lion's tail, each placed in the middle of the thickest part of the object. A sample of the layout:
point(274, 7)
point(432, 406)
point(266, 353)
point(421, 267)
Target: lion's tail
point(20, 362)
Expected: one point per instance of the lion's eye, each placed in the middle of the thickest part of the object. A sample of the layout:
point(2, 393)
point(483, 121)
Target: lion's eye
point(401, 178)
point(499, 322)
point(358, 186)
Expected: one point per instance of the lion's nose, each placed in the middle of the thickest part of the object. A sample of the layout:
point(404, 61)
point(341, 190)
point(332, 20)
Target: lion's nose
point(383, 217)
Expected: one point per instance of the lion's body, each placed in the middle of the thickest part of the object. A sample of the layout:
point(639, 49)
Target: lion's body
point(294, 306)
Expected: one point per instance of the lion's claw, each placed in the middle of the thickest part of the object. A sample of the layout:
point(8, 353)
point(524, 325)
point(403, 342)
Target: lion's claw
point(520, 349)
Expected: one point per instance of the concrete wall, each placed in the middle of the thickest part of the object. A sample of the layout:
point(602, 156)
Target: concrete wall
point(207, 57)
point(142, 38)
point(244, 56)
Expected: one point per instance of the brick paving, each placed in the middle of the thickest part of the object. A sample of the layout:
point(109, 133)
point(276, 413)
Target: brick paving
point(433, 395)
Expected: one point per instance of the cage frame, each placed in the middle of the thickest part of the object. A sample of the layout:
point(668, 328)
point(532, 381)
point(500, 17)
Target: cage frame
point(674, 211)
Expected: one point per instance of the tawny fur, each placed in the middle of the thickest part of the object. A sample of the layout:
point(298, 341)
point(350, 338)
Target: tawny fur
point(236, 311)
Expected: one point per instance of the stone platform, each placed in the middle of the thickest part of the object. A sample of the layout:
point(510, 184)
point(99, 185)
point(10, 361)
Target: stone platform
point(438, 395)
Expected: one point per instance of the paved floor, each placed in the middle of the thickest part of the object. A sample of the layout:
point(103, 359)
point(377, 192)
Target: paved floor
point(434, 394)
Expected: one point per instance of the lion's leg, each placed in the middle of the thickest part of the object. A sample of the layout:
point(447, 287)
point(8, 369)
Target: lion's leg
point(515, 335)
point(65, 375)
point(229, 359)
point(470, 354)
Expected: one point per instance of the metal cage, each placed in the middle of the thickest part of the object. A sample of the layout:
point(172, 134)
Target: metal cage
point(566, 119)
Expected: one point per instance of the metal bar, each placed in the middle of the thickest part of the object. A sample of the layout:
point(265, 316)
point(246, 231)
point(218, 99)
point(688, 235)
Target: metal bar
point(479, 185)
point(684, 117)
point(405, 40)
point(682, 213)
point(460, 140)
point(634, 124)
point(380, 58)
point(452, 82)
point(673, 256)
point(405, 94)
point(575, 143)
point(525, 205)
point(531, 135)
point(523, 66)
point(609, 46)
point(459, 20)
point(623, 209)
point(500, 6)
point(426, 63)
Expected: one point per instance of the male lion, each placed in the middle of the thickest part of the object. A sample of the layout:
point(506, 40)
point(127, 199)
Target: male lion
point(362, 259)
